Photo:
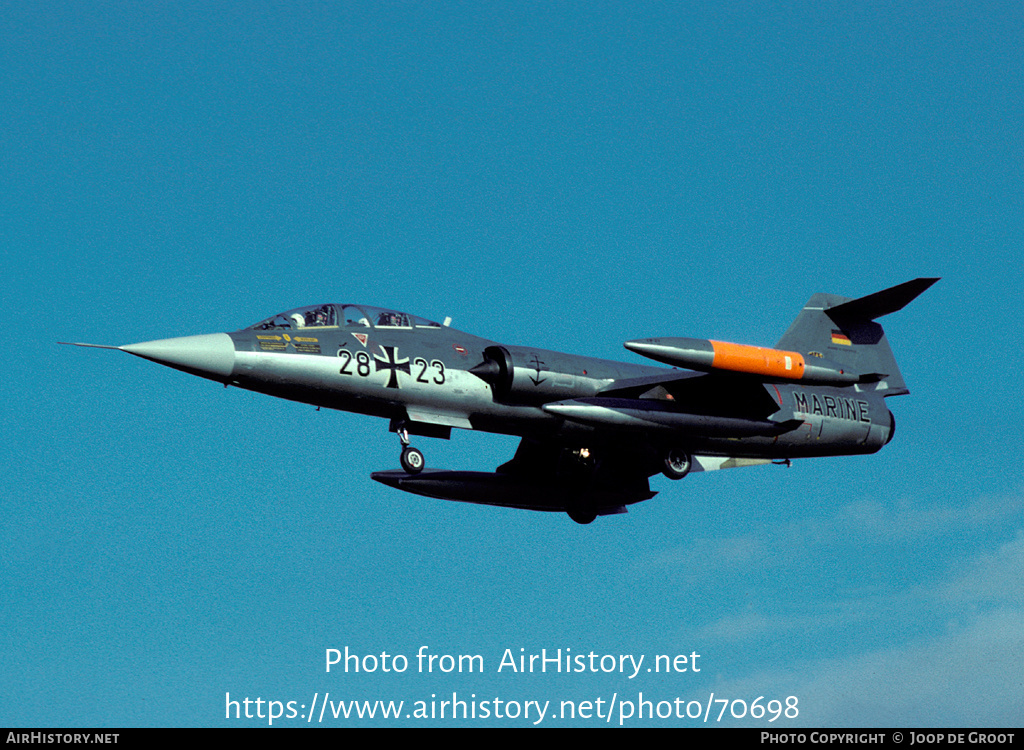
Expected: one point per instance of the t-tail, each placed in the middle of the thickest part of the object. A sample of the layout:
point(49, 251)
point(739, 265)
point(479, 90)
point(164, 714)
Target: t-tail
point(844, 331)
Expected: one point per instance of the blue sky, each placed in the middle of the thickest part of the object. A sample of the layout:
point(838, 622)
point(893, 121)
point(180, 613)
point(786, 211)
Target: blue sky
point(568, 175)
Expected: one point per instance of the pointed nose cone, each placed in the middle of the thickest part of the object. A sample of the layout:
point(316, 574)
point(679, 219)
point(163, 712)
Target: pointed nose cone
point(208, 356)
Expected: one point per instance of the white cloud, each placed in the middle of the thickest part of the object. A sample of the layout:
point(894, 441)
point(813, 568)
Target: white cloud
point(969, 674)
point(972, 676)
point(995, 577)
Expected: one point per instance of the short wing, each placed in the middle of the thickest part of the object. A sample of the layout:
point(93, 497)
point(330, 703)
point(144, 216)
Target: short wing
point(541, 476)
point(717, 394)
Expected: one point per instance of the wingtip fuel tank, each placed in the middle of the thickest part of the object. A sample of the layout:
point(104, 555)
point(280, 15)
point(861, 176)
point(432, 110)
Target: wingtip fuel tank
point(707, 355)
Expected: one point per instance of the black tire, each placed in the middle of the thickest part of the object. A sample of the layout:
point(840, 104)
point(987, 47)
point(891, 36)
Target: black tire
point(677, 464)
point(581, 516)
point(412, 460)
point(580, 508)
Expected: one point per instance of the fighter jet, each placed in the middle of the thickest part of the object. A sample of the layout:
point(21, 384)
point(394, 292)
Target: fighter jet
point(593, 431)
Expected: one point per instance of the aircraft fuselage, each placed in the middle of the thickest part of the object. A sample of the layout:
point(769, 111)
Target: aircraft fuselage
point(421, 377)
point(593, 430)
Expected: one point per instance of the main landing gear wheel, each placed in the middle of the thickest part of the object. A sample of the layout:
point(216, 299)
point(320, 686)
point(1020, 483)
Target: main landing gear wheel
point(677, 464)
point(412, 460)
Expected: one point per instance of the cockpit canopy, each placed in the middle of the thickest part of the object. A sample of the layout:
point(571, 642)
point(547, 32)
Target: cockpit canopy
point(342, 316)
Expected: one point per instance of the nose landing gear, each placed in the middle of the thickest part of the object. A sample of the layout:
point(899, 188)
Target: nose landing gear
point(412, 458)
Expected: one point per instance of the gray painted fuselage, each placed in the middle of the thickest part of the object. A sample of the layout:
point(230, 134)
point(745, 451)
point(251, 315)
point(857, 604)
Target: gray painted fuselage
point(593, 430)
point(420, 376)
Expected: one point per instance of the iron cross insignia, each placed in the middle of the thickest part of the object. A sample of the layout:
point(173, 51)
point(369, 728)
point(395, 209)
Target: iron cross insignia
point(390, 362)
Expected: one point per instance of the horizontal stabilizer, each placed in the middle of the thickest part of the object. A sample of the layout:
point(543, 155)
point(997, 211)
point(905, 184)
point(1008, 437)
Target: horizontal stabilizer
point(880, 303)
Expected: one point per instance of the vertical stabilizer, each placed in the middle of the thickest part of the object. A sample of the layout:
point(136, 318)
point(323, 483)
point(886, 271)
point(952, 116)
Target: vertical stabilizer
point(844, 330)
